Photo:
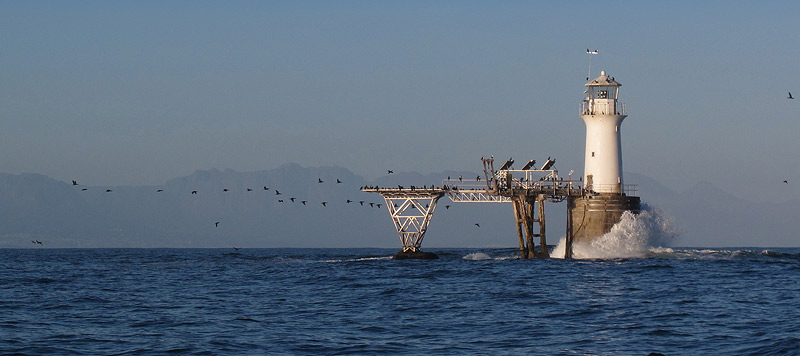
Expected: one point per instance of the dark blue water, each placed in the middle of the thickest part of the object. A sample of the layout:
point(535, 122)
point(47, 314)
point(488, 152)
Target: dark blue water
point(329, 301)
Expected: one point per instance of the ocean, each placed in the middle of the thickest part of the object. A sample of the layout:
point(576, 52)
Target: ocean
point(672, 301)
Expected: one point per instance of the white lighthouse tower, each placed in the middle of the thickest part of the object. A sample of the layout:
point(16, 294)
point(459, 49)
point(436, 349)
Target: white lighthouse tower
point(603, 114)
point(604, 199)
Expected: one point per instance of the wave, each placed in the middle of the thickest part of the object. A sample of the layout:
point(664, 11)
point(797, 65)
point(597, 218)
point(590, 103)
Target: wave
point(635, 235)
point(752, 254)
point(477, 256)
point(359, 259)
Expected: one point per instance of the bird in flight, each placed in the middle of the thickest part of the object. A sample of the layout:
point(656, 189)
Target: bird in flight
point(786, 181)
point(389, 171)
point(74, 182)
point(216, 224)
point(447, 206)
point(159, 191)
point(372, 205)
point(378, 205)
point(320, 180)
point(338, 181)
point(478, 225)
point(249, 189)
point(194, 192)
point(788, 97)
point(280, 200)
point(324, 203)
point(225, 189)
point(349, 201)
point(361, 202)
point(265, 188)
point(108, 190)
point(292, 199)
point(304, 202)
point(277, 192)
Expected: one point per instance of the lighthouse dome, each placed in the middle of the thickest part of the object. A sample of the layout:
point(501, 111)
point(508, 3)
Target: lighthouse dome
point(603, 81)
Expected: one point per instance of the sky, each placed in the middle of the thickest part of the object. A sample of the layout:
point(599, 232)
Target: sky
point(140, 92)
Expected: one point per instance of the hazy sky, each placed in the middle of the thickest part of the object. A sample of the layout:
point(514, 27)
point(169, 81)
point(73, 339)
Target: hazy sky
point(139, 92)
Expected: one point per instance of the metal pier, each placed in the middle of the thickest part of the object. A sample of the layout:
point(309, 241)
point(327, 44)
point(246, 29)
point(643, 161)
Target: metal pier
point(528, 189)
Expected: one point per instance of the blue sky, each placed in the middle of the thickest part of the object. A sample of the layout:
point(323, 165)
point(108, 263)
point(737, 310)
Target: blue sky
point(139, 92)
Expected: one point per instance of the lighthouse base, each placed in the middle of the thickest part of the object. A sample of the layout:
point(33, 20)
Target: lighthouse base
point(589, 217)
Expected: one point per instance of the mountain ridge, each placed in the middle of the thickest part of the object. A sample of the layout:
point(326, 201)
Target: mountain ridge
point(37, 207)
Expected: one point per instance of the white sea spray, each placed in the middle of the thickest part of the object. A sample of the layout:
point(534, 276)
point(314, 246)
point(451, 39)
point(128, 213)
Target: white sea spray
point(635, 235)
point(477, 256)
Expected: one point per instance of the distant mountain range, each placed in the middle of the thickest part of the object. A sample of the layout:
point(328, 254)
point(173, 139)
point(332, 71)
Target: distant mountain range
point(711, 217)
point(60, 214)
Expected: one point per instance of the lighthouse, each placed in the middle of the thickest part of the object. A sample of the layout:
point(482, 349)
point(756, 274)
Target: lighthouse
point(594, 205)
point(605, 197)
point(602, 113)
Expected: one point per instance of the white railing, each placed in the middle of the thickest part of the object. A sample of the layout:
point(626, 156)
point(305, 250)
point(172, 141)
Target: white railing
point(587, 108)
point(631, 190)
point(464, 184)
point(470, 191)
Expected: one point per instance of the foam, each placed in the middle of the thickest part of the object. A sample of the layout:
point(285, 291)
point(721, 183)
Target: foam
point(651, 231)
point(477, 256)
point(360, 259)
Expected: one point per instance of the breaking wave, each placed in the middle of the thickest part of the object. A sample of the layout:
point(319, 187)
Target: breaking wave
point(477, 256)
point(360, 259)
point(651, 231)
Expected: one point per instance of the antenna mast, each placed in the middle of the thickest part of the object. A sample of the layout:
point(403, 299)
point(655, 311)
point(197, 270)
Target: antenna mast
point(590, 53)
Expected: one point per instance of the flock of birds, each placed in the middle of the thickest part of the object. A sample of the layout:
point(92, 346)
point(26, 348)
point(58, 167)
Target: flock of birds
point(280, 198)
point(278, 193)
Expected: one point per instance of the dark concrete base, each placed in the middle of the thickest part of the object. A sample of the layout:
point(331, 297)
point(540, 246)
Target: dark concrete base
point(593, 216)
point(418, 255)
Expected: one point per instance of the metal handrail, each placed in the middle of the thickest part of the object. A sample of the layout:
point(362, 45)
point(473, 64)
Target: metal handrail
point(619, 109)
point(549, 182)
point(631, 190)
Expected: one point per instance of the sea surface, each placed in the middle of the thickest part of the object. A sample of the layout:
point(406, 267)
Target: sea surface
point(673, 301)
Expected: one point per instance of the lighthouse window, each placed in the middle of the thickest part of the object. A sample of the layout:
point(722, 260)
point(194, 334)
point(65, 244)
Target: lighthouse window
point(602, 94)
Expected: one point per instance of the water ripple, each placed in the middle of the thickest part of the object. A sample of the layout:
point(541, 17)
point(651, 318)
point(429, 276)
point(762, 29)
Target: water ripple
point(471, 301)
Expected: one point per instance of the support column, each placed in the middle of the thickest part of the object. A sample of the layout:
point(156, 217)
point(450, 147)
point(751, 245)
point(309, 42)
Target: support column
point(525, 214)
point(569, 235)
point(519, 211)
point(542, 228)
point(529, 220)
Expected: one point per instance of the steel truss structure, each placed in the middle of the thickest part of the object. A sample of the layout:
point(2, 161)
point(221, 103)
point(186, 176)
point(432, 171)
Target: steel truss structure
point(411, 211)
point(476, 196)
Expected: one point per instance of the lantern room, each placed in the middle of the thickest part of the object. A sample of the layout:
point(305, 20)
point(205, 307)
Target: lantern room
point(603, 87)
